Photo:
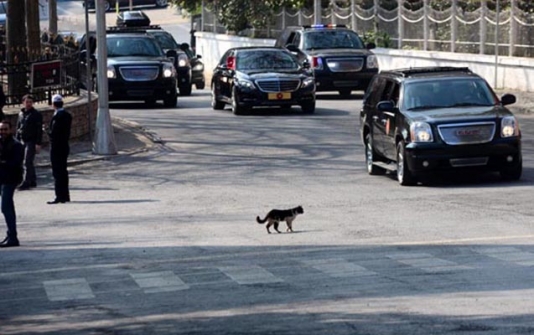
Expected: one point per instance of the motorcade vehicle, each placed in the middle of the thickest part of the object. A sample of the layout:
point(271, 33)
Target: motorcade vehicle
point(250, 77)
point(420, 121)
point(110, 5)
point(338, 56)
point(137, 67)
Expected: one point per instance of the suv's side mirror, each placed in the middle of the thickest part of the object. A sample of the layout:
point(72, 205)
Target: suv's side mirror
point(508, 99)
point(306, 64)
point(198, 56)
point(172, 54)
point(370, 46)
point(385, 106)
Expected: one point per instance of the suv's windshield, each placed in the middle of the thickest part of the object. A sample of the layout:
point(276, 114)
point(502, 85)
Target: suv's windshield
point(133, 46)
point(447, 93)
point(266, 60)
point(165, 40)
point(332, 39)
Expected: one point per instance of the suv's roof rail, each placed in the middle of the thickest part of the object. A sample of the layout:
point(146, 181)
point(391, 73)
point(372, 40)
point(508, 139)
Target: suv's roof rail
point(142, 29)
point(422, 70)
point(308, 26)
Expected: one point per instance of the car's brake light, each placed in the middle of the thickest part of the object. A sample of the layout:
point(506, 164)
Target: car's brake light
point(230, 63)
point(316, 62)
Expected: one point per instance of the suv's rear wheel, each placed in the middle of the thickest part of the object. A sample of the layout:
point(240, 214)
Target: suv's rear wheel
point(369, 157)
point(185, 89)
point(161, 3)
point(169, 102)
point(107, 5)
point(404, 175)
point(345, 93)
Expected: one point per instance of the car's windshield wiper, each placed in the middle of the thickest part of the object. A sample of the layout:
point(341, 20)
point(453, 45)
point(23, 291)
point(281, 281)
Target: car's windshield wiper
point(468, 104)
point(426, 107)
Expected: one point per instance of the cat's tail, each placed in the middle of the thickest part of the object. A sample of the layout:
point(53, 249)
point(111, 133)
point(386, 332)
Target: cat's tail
point(260, 220)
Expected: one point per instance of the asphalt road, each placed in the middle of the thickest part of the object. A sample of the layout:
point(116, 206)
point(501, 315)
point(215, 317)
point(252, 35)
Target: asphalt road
point(165, 242)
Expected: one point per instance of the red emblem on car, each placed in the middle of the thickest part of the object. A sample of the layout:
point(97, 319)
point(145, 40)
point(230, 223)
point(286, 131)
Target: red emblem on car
point(279, 96)
point(468, 132)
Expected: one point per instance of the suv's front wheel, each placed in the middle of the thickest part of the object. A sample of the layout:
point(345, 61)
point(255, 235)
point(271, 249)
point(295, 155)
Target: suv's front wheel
point(513, 172)
point(369, 157)
point(404, 175)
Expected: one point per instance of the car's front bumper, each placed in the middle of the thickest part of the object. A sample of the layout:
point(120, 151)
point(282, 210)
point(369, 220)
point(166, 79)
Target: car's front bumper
point(255, 98)
point(142, 90)
point(496, 155)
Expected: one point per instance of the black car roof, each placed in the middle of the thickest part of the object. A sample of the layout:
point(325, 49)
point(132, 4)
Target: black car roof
point(430, 72)
point(259, 48)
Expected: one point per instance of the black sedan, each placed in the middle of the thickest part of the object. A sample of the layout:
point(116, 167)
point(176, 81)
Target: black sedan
point(250, 77)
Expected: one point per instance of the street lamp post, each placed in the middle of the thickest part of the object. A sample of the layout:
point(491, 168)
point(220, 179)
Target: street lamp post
point(104, 143)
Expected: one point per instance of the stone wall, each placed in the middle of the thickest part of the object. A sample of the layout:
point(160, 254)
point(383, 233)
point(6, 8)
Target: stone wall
point(76, 106)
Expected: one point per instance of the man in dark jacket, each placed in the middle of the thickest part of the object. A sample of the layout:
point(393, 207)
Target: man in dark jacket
point(30, 133)
point(59, 134)
point(11, 170)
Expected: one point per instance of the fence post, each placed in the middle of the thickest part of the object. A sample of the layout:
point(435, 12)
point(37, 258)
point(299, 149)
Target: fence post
point(376, 27)
point(300, 17)
point(513, 26)
point(353, 17)
point(400, 24)
point(483, 25)
point(454, 25)
point(202, 15)
point(283, 19)
point(425, 25)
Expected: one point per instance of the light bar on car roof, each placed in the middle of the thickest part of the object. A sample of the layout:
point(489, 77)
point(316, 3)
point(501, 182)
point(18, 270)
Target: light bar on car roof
point(325, 26)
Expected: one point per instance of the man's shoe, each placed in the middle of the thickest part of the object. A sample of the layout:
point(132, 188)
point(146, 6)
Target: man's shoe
point(33, 184)
point(5, 240)
point(10, 242)
point(56, 201)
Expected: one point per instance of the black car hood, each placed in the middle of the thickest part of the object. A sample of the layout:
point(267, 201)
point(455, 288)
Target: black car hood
point(131, 60)
point(338, 52)
point(460, 114)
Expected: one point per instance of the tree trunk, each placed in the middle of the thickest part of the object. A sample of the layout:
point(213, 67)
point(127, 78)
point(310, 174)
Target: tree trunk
point(16, 48)
point(52, 17)
point(34, 29)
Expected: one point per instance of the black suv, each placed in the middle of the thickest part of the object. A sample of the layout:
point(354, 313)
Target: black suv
point(421, 120)
point(337, 54)
point(137, 67)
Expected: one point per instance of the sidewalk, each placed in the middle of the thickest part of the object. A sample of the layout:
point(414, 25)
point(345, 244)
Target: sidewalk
point(130, 138)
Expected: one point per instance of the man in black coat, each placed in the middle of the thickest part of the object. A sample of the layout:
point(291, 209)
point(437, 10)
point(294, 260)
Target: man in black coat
point(30, 133)
point(59, 134)
point(11, 170)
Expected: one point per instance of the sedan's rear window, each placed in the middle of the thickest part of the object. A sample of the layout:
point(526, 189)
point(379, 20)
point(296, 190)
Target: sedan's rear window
point(332, 39)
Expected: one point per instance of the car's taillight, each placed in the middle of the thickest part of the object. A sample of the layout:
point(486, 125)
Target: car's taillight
point(316, 62)
point(230, 63)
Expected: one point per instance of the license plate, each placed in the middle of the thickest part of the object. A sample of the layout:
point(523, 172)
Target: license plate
point(280, 96)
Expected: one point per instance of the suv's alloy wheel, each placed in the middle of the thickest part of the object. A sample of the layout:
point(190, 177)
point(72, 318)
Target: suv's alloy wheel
point(161, 3)
point(369, 157)
point(404, 175)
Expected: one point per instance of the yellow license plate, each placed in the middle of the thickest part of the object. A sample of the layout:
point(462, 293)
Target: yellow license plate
point(280, 96)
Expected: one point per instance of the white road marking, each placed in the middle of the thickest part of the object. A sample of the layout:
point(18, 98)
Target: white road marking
point(246, 275)
point(338, 267)
point(426, 262)
point(508, 254)
point(156, 282)
point(68, 289)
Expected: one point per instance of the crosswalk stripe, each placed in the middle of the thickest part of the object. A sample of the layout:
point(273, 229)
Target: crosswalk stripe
point(68, 289)
point(250, 274)
point(426, 262)
point(156, 282)
point(338, 267)
point(508, 254)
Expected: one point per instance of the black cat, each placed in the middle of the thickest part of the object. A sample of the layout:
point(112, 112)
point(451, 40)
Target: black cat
point(275, 216)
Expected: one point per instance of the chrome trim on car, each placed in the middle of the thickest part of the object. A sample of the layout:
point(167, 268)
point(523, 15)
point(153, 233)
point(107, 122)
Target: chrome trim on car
point(467, 133)
point(464, 162)
point(142, 73)
point(278, 85)
point(346, 64)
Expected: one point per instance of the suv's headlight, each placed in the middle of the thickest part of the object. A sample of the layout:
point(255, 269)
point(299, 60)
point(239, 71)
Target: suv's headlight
point(421, 132)
point(168, 71)
point(183, 60)
point(308, 82)
point(372, 62)
point(111, 72)
point(509, 126)
point(245, 83)
point(199, 67)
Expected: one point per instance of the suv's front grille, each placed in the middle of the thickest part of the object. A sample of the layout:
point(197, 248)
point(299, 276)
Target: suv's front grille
point(467, 133)
point(278, 85)
point(346, 64)
point(139, 73)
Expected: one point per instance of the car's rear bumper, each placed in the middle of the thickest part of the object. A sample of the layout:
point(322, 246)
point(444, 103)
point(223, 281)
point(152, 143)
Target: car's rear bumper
point(327, 80)
point(147, 90)
point(496, 155)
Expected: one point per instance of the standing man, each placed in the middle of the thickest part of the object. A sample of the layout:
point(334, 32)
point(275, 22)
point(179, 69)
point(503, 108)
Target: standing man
point(30, 133)
point(59, 134)
point(11, 170)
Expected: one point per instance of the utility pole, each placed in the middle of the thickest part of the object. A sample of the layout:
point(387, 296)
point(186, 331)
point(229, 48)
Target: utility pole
point(104, 142)
point(317, 12)
point(52, 16)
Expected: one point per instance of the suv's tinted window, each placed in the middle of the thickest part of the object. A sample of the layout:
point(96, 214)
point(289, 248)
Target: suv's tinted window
point(133, 46)
point(332, 39)
point(165, 40)
point(447, 93)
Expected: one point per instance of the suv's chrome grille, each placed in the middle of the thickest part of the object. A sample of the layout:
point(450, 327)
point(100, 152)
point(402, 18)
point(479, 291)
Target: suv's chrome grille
point(139, 73)
point(278, 85)
point(467, 133)
point(348, 64)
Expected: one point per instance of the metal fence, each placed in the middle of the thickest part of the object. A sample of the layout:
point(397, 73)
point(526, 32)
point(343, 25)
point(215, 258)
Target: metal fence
point(15, 77)
point(451, 29)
